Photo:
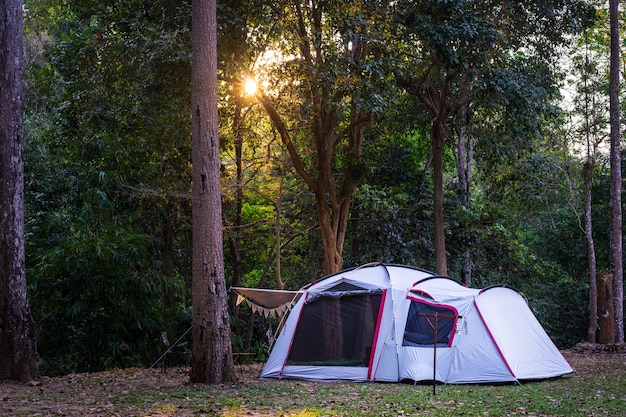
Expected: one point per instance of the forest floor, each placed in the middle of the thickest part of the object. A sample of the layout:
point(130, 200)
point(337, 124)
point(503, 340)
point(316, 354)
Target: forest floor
point(154, 393)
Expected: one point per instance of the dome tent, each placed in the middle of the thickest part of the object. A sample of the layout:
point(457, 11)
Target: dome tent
point(379, 323)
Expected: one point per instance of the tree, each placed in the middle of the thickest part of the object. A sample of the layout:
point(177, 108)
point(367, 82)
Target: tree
point(590, 110)
point(464, 155)
point(460, 52)
point(332, 64)
point(107, 179)
point(212, 360)
point(616, 175)
point(592, 142)
point(238, 52)
point(18, 351)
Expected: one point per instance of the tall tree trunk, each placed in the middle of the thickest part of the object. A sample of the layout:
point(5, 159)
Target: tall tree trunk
point(616, 176)
point(606, 316)
point(464, 156)
point(591, 257)
point(236, 233)
point(332, 242)
point(436, 100)
point(589, 168)
point(439, 236)
point(18, 350)
point(278, 207)
point(212, 360)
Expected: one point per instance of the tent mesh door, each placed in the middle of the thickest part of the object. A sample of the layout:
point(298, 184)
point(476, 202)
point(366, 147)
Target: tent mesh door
point(336, 331)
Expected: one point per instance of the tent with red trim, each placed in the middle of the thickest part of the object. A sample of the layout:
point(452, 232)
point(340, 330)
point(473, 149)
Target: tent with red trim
point(392, 323)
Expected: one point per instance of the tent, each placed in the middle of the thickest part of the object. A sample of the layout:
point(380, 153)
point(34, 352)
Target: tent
point(393, 323)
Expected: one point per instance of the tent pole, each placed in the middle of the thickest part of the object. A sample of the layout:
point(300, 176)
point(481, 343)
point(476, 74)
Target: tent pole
point(170, 348)
point(434, 327)
point(435, 356)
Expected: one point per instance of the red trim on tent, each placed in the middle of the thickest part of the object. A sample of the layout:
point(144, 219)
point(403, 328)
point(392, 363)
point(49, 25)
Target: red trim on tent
point(456, 313)
point(494, 340)
point(376, 332)
point(306, 297)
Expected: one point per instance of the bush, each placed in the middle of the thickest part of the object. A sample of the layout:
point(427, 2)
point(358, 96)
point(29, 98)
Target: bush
point(97, 300)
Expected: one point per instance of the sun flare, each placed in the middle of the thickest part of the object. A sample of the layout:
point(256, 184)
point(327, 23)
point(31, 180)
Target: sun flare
point(250, 86)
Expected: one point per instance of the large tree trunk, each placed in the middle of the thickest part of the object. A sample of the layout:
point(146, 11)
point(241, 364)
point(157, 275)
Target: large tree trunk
point(616, 176)
point(212, 360)
point(591, 257)
point(330, 231)
point(606, 316)
point(439, 237)
point(18, 351)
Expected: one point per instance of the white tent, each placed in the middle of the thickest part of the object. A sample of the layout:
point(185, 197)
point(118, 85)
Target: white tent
point(379, 323)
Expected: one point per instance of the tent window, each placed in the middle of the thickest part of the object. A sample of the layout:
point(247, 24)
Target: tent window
point(418, 332)
point(336, 331)
point(344, 286)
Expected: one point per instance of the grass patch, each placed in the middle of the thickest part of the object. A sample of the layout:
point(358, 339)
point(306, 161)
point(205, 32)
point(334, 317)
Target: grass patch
point(563, 397)
point(598, 389)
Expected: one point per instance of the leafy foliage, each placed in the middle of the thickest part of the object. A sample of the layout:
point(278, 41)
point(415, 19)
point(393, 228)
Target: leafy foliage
point(106, 179)
point(391, 216)
point(108, 159)
point(98, 299)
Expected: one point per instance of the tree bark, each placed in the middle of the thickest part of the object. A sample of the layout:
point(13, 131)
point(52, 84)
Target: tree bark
point(616, 176)
point(212, 360)
point(18, 350)
point(606, 316)
point(592, 142)
point(591, 257)
point(439, 236)
point(464, 156)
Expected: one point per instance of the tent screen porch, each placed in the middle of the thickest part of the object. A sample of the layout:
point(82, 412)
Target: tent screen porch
point(336, 331)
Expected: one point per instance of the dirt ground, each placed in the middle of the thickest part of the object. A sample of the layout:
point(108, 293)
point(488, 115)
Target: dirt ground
point(92, 394)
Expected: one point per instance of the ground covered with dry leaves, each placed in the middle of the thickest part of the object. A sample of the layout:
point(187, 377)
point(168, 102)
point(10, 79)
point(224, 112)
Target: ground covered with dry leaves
point(118, 392)
point(154, 393)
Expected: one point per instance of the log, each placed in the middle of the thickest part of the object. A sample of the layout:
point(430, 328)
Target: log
point(599, 348)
